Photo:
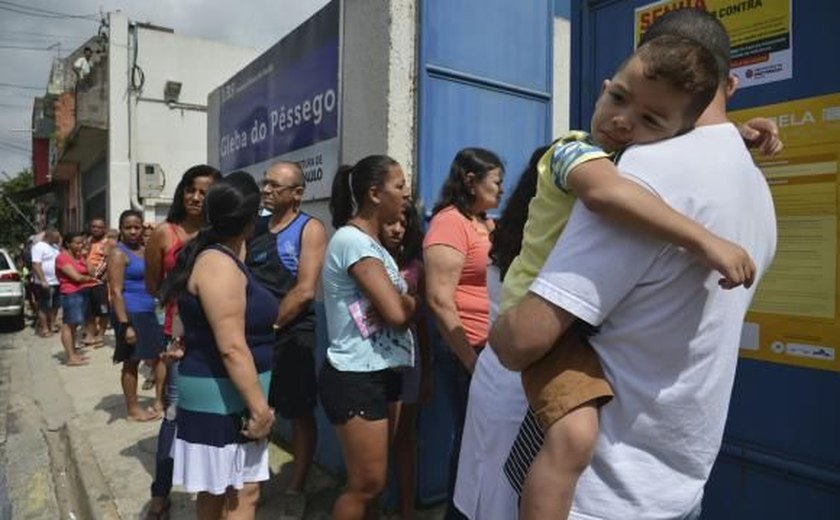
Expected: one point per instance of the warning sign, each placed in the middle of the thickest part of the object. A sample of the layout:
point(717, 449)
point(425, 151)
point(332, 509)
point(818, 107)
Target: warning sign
point(761, 47)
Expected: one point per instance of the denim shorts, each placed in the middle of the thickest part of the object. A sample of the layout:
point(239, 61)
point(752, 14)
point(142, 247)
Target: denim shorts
point(74, 307)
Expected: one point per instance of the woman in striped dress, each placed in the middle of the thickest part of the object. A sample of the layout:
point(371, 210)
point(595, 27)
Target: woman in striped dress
point(223, 416)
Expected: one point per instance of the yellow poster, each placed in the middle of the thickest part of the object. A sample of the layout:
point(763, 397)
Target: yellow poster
point(759, 31)
point(794, 318)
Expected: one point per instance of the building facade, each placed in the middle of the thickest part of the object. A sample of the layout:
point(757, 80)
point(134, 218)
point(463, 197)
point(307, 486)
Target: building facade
point(120, 136)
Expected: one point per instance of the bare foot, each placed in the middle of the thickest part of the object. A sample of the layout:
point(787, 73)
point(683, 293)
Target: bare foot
point(77, 362)
point(142, 415)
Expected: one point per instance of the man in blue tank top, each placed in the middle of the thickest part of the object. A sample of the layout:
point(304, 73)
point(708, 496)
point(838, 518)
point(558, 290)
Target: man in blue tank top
point(286, 255)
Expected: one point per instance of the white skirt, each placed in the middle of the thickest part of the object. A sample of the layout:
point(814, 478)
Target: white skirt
point(495, 409)
point(199, 467)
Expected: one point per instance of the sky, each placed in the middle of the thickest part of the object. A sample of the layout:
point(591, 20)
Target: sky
point(25, 61)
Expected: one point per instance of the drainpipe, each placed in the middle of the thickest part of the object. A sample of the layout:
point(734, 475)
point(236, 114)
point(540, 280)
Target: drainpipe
point(131, 102)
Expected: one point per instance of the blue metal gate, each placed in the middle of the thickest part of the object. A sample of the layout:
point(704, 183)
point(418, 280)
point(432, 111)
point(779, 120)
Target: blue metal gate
point(780, 457)
point(485, 80)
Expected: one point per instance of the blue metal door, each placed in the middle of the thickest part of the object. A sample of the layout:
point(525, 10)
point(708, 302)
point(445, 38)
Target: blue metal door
point(485, 80)
point(780, 457)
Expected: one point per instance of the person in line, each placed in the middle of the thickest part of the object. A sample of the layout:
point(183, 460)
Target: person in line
point(74, 285)
point(668, 334)
point(403, 239)
point(368, 311)
point(44, 253)
point(455, 255)
point(97, 255)
point(286, 256)
point(655, 94)
point(221, 449)
point(184, 220)
point(497, 402)
point(139, 336)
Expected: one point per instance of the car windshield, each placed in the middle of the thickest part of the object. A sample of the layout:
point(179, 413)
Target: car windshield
point(4, 262)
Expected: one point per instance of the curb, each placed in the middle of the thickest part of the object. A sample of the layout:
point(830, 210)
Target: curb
point(92, 495)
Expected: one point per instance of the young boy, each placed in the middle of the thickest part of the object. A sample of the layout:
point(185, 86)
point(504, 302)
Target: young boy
point(657, 93)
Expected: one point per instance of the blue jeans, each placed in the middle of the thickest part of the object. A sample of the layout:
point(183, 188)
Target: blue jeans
point(74, 307)
point(460, 392)
point(162, 484)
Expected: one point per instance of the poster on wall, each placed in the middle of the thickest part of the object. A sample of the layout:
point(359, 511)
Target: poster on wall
point(284, 106)
point(760, 33)
point(794, 318)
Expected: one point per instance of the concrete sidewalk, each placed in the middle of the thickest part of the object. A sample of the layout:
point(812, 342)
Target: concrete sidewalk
point(112, 459)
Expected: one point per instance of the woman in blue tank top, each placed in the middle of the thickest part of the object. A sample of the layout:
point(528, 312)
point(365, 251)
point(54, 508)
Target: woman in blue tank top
point(223, 416)
point(139, 335)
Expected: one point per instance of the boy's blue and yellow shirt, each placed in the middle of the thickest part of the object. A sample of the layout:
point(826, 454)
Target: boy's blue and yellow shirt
point(548, 211)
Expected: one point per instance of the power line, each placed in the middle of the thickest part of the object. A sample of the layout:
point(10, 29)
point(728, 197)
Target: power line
point(26, 87)
point(24, 47)
point(39, 34)
point(43, 13)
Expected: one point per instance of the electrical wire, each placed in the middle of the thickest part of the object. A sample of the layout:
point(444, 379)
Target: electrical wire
point(26, 87)
point(25, 48)
point(43, 13)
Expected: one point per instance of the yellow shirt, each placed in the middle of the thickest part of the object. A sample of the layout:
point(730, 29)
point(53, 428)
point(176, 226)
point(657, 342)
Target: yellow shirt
point(548, 211)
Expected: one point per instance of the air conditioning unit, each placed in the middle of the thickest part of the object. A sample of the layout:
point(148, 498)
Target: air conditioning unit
point(150, 180)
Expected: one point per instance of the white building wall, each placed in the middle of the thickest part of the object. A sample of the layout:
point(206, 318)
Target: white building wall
point(561, 96)
point(144, 129)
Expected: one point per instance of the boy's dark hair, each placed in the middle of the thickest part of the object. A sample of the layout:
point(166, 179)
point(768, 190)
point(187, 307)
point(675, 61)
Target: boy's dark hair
point(684, 64)
point(700, 26)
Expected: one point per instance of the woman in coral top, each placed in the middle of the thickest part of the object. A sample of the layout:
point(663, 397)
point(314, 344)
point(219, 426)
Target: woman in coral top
point(455, 253)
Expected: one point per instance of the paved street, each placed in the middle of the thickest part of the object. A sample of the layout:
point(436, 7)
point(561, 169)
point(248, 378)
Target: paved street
point(68, 448)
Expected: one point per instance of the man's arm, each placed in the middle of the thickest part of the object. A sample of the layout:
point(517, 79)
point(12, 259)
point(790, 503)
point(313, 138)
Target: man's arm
point(593, 266)
point(526, 332)
point(39, 273)
point(37, 268)
point(312, 248)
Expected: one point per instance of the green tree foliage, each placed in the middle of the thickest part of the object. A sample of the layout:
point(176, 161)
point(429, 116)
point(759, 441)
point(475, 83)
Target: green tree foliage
point(14, 228)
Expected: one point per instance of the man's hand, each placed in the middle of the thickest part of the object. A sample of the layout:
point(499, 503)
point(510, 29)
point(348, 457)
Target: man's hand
point(762, 134)
point(730, 260)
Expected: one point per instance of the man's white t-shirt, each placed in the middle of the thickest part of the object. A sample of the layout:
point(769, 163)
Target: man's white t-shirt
point(45, 254)
point(82, 66)
point(669, 335)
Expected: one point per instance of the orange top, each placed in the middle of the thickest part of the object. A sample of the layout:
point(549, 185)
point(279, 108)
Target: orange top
point(450, 228)
point(97, 253)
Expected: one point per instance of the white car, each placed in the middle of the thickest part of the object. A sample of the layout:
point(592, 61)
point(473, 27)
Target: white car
point(11, 292)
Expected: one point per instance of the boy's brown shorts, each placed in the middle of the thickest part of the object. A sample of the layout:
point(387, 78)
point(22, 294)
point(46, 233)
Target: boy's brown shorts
point(567, 377)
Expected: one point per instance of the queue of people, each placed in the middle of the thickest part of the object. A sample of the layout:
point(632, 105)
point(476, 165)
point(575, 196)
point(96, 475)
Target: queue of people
point(611, 305)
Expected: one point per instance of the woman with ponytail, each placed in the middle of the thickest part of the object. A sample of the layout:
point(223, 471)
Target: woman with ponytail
point(139, 336)
point(368, 311)
point(185, 218)
point(223, 418)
